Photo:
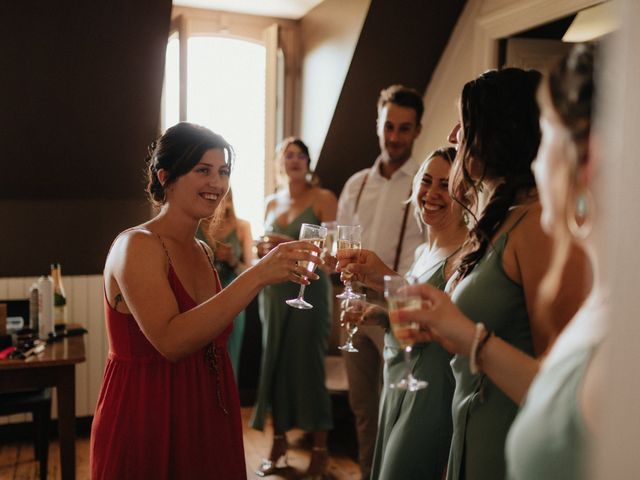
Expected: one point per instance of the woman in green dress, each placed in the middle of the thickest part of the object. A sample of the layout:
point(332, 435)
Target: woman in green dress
point(292, 377)
point(414, 428)
point(491, 318)
point(230, 239)
point(552, 434)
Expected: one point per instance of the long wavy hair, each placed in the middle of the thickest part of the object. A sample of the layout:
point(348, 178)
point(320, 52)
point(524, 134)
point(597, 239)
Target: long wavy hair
point(501, 134)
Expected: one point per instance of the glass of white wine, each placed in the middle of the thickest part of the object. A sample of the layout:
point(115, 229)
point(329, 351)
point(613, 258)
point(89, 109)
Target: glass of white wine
point(316, 235)
point(349, 238)
point(350, 318)
point(398, 299)
point(331, 243)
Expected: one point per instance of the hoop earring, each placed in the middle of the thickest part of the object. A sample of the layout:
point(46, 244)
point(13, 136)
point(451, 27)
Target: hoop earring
point(580, 221)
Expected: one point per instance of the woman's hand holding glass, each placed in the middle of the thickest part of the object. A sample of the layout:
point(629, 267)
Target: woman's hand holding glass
point(282, 263)
point(439, 320)
point(268, 242)
point(368, 268)
point(315, 235)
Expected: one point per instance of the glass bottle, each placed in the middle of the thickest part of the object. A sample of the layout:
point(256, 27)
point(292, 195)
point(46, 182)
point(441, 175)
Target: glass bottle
point(59, 297)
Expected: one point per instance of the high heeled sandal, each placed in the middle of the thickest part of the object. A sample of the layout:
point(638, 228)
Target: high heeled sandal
point(271, 465)
point(318, 466)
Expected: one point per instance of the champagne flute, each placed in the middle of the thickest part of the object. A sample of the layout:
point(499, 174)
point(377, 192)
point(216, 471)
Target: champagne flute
point(349, 238)
point(350, 318)
point(398, 299)
point(316, 235)
point(331, 242)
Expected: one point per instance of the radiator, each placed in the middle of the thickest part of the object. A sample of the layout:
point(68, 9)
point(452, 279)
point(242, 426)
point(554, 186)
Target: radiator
point(85, 307)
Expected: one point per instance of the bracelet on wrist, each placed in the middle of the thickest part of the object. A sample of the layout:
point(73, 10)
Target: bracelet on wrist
point(480, 339)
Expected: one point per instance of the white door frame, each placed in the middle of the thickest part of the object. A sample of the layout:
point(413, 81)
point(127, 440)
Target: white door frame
point(514, 18)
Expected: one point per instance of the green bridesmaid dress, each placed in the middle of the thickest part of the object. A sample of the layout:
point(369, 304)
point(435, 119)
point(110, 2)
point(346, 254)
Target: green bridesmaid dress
point(292, 376)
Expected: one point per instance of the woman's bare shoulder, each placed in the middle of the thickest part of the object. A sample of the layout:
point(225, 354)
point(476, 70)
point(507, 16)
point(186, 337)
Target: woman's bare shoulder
point(325, 194)
point(525, 223)
point(272, 201)
point(135, 244)
point(324, 197)
point(243, 225)
point(325, 204)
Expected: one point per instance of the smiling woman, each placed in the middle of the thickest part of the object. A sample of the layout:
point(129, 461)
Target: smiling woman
point(168, 407)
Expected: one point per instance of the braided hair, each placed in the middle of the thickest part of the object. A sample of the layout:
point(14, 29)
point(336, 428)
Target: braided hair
point(177, 152)
point(501, 135)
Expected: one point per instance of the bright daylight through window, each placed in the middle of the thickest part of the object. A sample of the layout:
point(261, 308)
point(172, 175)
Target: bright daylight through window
point(226, 93)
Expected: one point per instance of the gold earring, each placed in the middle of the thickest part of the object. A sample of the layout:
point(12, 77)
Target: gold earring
point(580, 220)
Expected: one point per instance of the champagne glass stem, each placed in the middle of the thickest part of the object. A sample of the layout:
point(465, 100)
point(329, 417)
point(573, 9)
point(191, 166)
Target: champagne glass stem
point(301, 293)
point(407, 362)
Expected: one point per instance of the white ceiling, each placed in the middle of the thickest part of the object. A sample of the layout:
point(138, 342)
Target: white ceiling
point(271, 8)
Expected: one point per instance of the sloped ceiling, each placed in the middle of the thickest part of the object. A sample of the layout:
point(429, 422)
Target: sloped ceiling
point(80, 93)
point(80, 87)
point(401, 42)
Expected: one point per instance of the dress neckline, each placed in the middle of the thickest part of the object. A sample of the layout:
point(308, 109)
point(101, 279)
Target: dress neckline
point(282, 227)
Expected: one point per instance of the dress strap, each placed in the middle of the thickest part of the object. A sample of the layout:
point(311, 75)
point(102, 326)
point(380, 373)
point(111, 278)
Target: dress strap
point(515, 224)
point(164, 247)
point(206, 252)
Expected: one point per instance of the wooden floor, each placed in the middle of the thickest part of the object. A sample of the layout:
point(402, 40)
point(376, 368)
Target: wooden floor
point(17, 462)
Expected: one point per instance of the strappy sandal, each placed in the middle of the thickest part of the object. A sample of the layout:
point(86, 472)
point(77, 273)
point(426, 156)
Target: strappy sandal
point(271, 465)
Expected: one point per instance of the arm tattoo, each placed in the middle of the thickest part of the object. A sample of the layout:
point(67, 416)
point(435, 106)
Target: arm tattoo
point(118, 298)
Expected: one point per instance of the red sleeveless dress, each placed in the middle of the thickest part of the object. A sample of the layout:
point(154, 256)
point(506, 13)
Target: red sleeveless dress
point(159, 420)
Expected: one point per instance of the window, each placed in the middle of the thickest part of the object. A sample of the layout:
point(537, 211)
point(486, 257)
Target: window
point(226, 93)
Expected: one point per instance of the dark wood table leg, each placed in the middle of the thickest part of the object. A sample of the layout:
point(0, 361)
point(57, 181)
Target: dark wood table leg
point(67, 420)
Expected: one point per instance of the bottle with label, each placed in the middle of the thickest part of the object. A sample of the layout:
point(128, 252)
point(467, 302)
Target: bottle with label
point(59, 298)
point(33, 308)
point(45, 305)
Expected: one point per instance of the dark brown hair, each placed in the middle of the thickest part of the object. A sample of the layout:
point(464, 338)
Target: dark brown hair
point(177, 151)
point(501, 134)
point(571, 90)
point(403, 97)
point(313, 179)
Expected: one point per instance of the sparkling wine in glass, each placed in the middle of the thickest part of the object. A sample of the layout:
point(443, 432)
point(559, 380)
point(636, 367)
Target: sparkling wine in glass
point(349, 238)
point(331, 242)
point(316, 235)
point(350, 318)
point(398, 299)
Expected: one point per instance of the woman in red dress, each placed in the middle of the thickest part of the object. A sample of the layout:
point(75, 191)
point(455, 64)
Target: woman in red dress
point(168, 407)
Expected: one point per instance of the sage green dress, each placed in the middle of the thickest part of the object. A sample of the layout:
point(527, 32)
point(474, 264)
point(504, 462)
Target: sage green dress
point(292, 376)
point(549, 438)
point(482, 413)
point(414, 428)
point(227, 274)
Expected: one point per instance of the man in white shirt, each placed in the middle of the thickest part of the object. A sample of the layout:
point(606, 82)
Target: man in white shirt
point(375, 199)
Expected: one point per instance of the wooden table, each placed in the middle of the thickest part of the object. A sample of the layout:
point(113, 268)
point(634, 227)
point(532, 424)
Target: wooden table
point(55, 367)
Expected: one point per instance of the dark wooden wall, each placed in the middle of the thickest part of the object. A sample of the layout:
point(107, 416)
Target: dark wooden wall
point(80, 100)
point(401, 42)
